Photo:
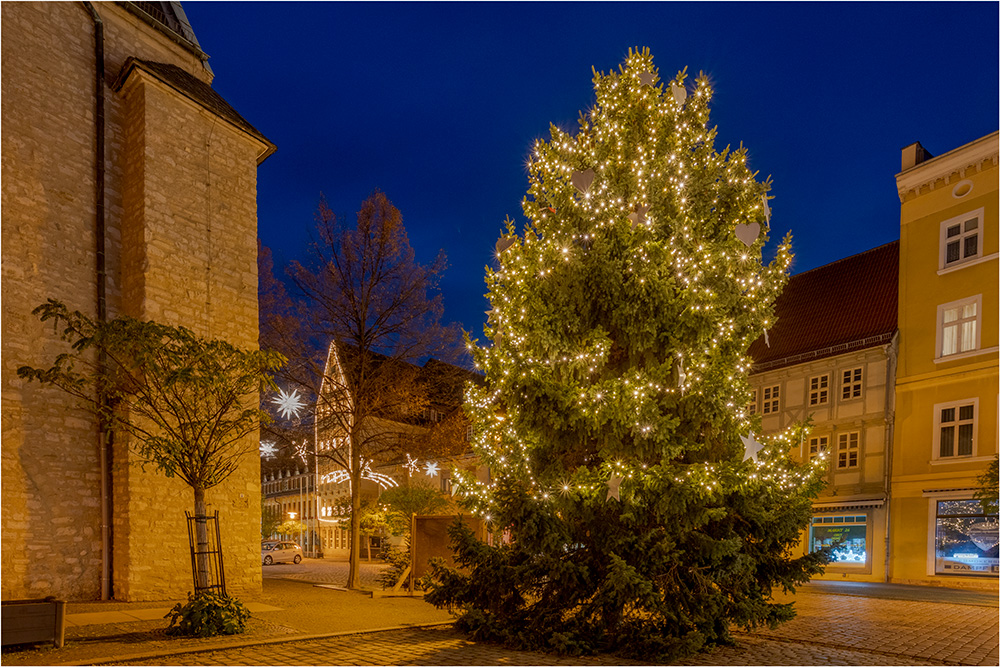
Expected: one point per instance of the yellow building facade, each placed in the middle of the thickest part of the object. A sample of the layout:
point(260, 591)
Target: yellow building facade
point(946, 379)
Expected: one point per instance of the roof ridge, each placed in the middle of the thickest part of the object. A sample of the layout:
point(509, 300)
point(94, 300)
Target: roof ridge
point(844, 259)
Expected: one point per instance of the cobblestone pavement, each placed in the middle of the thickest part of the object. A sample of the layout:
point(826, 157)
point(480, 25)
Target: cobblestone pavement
point(324, 571)
point(829, 630)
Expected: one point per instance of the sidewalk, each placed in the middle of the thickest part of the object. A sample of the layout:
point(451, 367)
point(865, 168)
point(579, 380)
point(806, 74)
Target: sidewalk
point(299, 623)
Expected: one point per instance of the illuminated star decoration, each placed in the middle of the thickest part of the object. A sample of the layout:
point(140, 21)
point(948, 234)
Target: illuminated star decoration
point(289, 405)
point(432, 468)
point(751, 447)
point(613, 484)
point(412, 464)
point(267, 449)
point(301, 451)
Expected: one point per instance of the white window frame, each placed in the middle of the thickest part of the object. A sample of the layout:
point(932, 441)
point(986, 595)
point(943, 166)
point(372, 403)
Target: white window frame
point(752, 405)
point(851, 379)
point(978, 319)
point(771, 400)
point(819, 388)
point(843, 437)
point(956, 405)
point(943, 264)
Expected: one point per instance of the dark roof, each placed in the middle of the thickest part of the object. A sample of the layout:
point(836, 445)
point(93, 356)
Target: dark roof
point(850, 304)
point(197, 91)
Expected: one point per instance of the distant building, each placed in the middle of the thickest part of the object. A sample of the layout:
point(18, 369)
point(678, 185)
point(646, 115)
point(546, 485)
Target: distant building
point(946, 384)
point(128, 187)
point(315, 489)
point(831, 358)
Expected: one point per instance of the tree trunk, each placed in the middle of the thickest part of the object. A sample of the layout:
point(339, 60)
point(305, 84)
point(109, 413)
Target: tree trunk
point(353, 577)
point(202, 573)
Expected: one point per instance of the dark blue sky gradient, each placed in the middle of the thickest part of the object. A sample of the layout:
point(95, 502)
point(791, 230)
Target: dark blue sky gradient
point(438, 104)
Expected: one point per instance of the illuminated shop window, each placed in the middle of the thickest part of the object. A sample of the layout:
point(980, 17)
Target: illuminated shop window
point(965, 539)
point(844, 534)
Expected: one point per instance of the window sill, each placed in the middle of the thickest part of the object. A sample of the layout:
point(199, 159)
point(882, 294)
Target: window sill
point(960, 459)
point(966, 355)
point(967, 263)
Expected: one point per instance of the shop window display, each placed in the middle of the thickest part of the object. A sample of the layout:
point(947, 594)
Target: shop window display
point(845, 535)
point(966, 539)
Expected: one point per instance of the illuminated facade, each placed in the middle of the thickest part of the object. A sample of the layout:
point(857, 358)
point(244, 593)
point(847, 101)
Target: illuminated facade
point(946, 384)
point(830, 358)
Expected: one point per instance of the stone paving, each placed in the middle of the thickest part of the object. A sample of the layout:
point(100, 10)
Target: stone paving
point(829, 630)
point(325, 571)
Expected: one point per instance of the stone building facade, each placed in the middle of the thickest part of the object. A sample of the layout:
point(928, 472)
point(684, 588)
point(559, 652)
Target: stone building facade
point(129, 187)
point(831, 360)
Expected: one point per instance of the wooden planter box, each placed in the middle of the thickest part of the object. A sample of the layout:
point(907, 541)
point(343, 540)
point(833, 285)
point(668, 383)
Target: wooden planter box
point(30, 621)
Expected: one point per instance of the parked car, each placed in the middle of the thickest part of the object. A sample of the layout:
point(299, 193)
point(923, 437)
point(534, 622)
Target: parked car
point(280, 552)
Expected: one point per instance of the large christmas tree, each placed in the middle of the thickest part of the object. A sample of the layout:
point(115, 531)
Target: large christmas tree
point(634, 508)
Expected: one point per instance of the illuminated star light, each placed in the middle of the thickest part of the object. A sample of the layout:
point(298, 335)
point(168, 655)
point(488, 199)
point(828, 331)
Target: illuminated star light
point(412, 464)
point(268, 449)
point(432, 468)
point(288, 404)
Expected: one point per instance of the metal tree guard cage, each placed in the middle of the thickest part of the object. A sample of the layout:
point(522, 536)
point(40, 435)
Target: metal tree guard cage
point(216, 575)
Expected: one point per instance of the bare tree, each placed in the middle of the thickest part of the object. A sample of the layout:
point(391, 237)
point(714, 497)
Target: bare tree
point(373, 310)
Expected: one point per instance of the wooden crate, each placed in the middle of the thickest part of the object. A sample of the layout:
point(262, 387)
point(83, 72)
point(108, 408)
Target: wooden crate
point(31, 621)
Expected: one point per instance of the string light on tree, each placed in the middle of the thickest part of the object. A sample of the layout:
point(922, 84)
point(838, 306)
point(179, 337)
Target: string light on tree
point(627, 303)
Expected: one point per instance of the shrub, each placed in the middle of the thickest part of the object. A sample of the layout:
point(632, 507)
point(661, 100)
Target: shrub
point(208, 614)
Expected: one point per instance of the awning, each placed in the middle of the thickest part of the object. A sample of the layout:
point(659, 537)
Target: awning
point(848, 505)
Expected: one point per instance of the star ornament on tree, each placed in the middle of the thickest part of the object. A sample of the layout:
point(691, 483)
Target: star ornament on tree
point(613, 486)
point(751, 447)
point(289, 405)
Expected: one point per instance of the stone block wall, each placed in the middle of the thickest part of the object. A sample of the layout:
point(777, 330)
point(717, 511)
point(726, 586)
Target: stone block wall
point(181, 248)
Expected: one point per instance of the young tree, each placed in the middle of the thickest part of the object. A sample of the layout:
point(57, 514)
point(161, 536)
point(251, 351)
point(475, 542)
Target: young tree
point(186, 402)
point(363, 289)
point(641, 517)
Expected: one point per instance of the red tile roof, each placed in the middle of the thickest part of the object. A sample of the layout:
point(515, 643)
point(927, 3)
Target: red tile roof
point(846, 305)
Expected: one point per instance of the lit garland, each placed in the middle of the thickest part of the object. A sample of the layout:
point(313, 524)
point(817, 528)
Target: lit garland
point(338, 476)
point(639, 188)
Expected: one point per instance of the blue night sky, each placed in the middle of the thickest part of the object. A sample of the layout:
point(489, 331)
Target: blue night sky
point(438, 104)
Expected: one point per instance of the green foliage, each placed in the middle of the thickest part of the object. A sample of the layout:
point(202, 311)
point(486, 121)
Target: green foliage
point(291, 527)
point(207, 615)
point(988, 492)
point(398, 560)
point(405, 501)
point(187, 401)
point(622, 314)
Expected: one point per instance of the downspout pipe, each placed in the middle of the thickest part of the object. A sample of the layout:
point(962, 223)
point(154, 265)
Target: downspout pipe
point(892, 356)
point(105, 441)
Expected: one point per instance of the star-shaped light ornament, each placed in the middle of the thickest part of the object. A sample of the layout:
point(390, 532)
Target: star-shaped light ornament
point(412, 464)
point(613, 486)
point(646, 79)
point(267, 449)
point(638, 216)
point(751, 447)
point(301, 451)
point(289, 405)
point(431, 469)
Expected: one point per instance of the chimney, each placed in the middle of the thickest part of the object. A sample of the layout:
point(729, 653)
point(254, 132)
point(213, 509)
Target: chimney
point(913, 155)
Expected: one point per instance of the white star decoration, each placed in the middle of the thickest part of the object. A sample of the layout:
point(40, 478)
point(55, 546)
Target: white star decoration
point(267, 449)
point(613, 484)
point(432, 469)
point(751, 447)
point(412, 464)
point(289, 405)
